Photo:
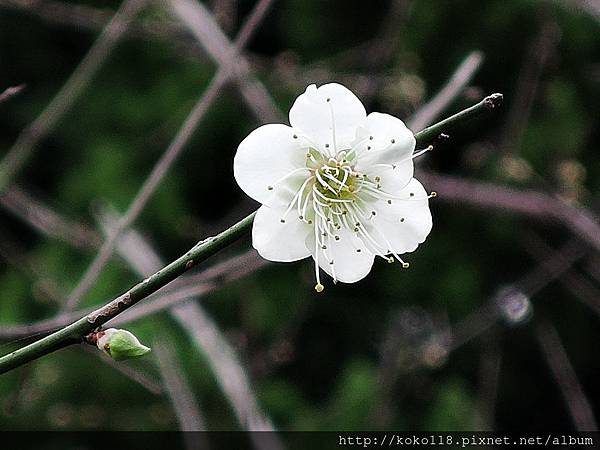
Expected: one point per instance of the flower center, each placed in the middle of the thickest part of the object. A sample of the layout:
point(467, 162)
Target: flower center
point(336, 180)
point(338, 202)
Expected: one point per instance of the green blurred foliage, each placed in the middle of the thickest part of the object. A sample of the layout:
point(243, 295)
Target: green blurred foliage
point(331, 375)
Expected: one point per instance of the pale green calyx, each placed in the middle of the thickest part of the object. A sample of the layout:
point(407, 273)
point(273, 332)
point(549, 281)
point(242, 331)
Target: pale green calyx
point(120, 344)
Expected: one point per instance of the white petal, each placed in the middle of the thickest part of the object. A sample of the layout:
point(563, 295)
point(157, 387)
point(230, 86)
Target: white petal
point(311, 114)
point(404, 223)
point(392, 179)
point(349, 265)
point(265, 156)
point(278, 241)
point(384, 139)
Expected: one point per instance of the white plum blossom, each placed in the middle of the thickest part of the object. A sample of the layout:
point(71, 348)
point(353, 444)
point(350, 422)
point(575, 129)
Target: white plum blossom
point(337, 185)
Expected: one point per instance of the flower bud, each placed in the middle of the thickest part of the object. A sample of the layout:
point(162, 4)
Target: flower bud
point(120, 344)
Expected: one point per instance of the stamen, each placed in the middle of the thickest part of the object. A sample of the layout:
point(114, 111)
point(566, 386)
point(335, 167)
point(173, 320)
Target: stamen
point(271, 186)
point(334, 179)
point(332, 126)
point(324, 183)
point(297, 197)
point(361, 230)
point(343, 183)
point(389, 249)
point(327, 199)
point(318, 287)
point(331, 262)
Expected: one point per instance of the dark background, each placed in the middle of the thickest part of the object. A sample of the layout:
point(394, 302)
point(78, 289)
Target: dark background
point(377, 354)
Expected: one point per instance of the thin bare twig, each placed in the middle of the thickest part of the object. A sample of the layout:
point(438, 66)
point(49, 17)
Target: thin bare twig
point(226, 54)
point(41, 282)
point(152, 182)
point(590, 7)
point(511, 301)
point(427, 114)
point(89, 18)
point(581, 287)
point(148, 188)
point(179, 391)
point(182, 290)
point(580, 221)
point(489, 375)
point(47, 221)
point(11, 92)
point(21, 150)
point(74, 332)
point(126, 370)
point(229, 373)
point(528, 82)
point(565, 377)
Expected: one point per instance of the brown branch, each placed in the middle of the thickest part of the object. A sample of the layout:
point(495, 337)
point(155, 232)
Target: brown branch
point(489, 375)
point(226, 54)
point(81, 77)
point(177, 387)
point(182, 290)
point(427, 113)
point(580, 221)
point(565, 377)
point(581, 287)
point(47, 221)
point(162, 167)
point(11, 92)
point(528, 82)
point(204, 332)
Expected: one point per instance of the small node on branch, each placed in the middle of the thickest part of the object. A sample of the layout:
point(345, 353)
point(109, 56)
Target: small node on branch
point(493, 101)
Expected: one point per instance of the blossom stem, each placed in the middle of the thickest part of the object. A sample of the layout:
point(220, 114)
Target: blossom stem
point(76, 332)
point(431, 133)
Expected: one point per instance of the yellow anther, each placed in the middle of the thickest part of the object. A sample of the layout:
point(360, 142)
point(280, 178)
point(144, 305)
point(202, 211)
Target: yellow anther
point(319, 287)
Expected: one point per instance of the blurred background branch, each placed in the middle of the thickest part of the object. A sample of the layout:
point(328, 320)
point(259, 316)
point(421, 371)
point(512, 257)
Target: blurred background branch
point(447, 345)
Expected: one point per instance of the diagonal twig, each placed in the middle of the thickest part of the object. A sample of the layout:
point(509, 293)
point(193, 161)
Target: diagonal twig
point(453, 88)
point(127, 371)
point(76, 331)
point(225, 53)
point(48, 222)
point(581, 287)
point(25, 144)
point(565, 377)
point(580, 221)
point(183, 289)
point(528, 83)
point(177, 387)
point(229, 373)
point(155, 178)
point(11, 92)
